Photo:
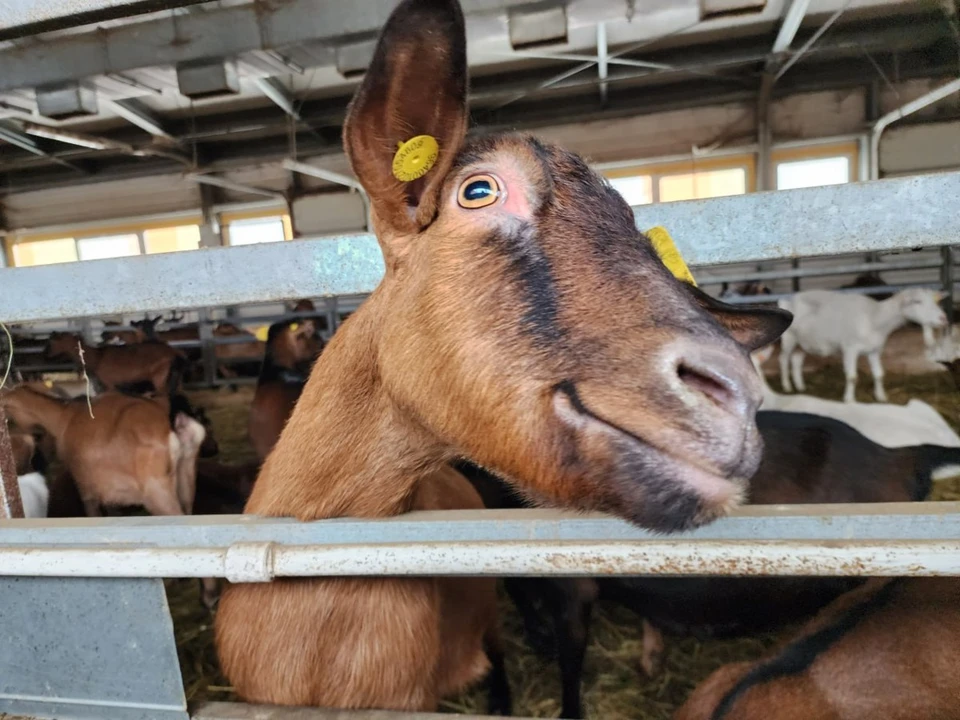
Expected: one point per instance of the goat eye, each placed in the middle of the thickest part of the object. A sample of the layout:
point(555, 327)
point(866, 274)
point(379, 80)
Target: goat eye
point(479, 191)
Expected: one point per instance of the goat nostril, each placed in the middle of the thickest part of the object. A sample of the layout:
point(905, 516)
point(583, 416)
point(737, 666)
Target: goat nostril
point(713, 386)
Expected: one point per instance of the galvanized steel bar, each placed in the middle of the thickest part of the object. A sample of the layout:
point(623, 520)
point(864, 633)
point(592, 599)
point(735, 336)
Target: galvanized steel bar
point(875, 290)
point(203, 278)
point(862, 217)
point(87, 649)
point(809, 272)
point(852, 218)
point(263, 562)
point(19, 13)
point(807, 523)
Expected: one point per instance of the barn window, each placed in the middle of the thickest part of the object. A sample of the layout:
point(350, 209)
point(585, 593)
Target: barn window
point(815, 165)
point(703, 184)
point(108, 246)
point(256, 227)
point(171, 239)
point(684, 179)
point(636, 189)
point(45, 252)
point(813, 173)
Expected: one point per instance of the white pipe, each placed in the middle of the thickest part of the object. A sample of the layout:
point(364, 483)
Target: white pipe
point(813, 39)
point(603, 60)
point(261, 562)
point(934, 96)
point(791, 24)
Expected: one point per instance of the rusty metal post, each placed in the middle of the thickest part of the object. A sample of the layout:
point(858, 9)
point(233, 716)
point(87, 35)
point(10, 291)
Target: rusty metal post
point(11, 506)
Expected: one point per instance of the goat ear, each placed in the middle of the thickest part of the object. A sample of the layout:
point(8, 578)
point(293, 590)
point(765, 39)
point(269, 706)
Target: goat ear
point(752, 326)
point(416, 85)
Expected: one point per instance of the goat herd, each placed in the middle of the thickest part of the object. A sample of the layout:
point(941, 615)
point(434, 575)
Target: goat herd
point(524, 329)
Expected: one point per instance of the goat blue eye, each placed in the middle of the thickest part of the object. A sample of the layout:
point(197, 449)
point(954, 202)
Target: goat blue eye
point(479, 191)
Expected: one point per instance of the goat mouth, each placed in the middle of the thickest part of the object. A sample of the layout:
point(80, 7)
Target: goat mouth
point(716, 492)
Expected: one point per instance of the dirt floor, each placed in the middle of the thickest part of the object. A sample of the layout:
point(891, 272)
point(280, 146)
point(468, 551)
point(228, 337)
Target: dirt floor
point(614, 686)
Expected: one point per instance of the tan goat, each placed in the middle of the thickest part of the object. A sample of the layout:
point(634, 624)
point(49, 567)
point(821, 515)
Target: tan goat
point(522, 322)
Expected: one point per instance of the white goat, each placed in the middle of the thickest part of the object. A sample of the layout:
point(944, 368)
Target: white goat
point(892, 426)
point(827, 323)
point(34, 494)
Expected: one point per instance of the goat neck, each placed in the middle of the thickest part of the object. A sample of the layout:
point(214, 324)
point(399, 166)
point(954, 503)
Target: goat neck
point(374, 457)
point(31, 408)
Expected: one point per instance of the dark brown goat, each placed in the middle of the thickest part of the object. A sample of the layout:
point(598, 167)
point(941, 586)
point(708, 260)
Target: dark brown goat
point(646, 413)
point(807, 459)
point(889, 649)
point(115, 366)
point(291, 349)
point(869, 280)
point(223, 489)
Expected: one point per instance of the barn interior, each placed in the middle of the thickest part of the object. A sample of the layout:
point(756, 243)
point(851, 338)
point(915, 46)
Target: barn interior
point(133, 128)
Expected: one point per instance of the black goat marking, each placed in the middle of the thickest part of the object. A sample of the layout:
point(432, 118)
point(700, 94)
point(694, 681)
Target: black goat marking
point(534, 274)
point(800, 654)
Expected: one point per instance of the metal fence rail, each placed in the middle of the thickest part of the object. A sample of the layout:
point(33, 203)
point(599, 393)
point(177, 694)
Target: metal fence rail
point(855, 218)
point(831, 540)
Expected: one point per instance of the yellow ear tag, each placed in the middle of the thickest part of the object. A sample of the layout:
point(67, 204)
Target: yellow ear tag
point(262, 333)
point(669, 255)
point(48, 384)
point(415, 157)
point(294, 326)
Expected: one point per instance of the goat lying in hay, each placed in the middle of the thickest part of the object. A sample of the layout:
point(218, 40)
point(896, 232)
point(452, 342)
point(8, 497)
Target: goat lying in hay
point(830, 323)
point(892, 426)
point(647, 413)
point(889, 649)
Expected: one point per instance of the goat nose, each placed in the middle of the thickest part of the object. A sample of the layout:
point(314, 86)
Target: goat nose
point(721, 377)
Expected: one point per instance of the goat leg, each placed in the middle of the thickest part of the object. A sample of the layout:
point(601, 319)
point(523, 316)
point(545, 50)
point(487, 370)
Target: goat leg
point(498, 686)
point(653, 648)
point(572, 608)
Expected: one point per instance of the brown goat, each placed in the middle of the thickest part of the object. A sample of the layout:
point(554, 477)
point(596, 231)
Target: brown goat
point(123, 334)
point(125, 455)
point(24, 446)
point(889, 649)
point(223, 489)
point(115, 366)
point(647, 413)
point(291, 349)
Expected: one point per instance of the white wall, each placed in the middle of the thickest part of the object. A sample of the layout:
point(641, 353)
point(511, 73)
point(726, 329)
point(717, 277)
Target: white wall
point(328, 213)
point(920, 148)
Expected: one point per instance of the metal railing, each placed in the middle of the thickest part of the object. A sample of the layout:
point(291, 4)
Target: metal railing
point(93, 582)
